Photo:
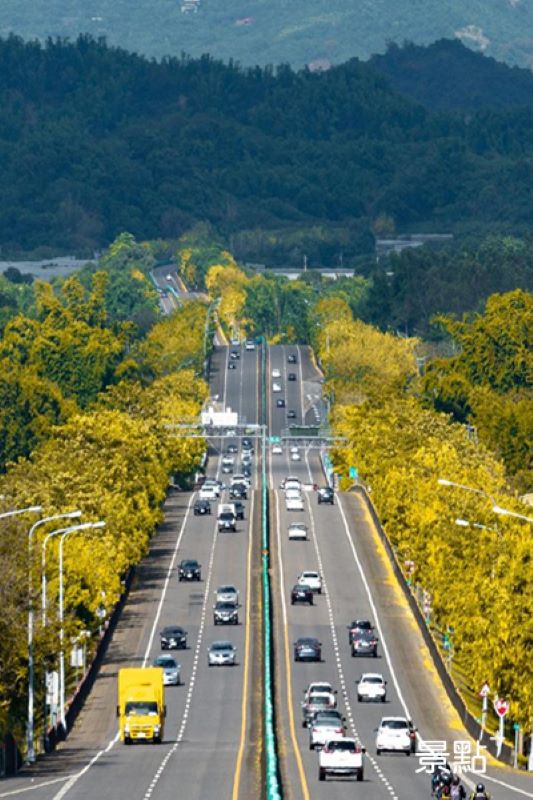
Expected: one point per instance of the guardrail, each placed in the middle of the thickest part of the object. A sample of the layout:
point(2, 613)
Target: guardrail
point(273, 789)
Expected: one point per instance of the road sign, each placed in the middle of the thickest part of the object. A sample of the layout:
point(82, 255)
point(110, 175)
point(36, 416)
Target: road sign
point(275, 440)
point(353, 473)
point(501, 706)
point(485, 690)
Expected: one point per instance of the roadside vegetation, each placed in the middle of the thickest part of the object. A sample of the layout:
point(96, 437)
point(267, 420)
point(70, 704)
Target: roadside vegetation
point(402, 438)
point(87, 403)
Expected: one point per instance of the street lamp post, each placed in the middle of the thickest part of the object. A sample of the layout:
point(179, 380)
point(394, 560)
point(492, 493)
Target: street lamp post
point(31, 674)
point(16, 511)
point(64, 535)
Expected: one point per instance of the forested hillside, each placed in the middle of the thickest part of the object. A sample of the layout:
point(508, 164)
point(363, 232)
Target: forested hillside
point(447, 75)
point(95, 140)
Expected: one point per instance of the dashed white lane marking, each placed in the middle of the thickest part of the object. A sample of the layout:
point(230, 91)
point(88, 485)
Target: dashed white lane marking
point(336, 649)
point(192, 679)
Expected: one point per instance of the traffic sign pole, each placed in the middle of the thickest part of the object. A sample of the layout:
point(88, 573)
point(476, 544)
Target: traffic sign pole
point(501, 707)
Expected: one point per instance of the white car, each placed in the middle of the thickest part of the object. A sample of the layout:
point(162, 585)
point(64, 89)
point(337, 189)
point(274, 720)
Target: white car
point(325, 730)
point(241, 479)
point(319, 687)
point(294, 449)
point(311, 578)
point(291, 483)
point(276, 387)
point(235, 341)
point(295, 457)
point(276, 373)
point(297, 532)
point(250, 345)
point(294, 503)
point(227, 594)
point(396, 734)
point(277, 450)
point(371, 686)
point(341, 756)
point(208, 493)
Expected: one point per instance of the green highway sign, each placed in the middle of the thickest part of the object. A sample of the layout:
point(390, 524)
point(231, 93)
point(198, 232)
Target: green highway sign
point(274, 439)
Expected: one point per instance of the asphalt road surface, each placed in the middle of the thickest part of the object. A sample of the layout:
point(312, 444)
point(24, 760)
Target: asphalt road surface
point(212, 744)
point(358, 583)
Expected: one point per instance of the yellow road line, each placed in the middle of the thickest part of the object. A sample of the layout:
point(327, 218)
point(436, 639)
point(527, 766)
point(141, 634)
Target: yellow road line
point(244, 703)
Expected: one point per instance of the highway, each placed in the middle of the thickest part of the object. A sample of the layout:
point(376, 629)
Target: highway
point(212, 731)
point(357, 584)
point(212, 745)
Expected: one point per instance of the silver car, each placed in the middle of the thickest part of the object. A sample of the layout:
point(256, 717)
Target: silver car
point(171, 670)
point(227, 594)
point(222, 654)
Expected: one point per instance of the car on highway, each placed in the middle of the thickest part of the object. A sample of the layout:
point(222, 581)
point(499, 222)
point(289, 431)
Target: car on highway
point(302, 594)
point(189, 570)
point(291, 414)
point(311, 578)
point(320, 701)
point(169, 277)
point(246, 459)
point(171, 670)
point(276, 387)
point(217, 485)
point(326, 495)
point(277, 450)
point(235, 342)
point(371, 687)
point(296, 456)
point(319, 686)
point(365, 643)
point(307, 648)
point(202, 507)
point(292, 358)
point(333, 715)
point(173, 637)
point(323, 730)
point(276, 373)
point(396, 734)
point(247, 471)
point(280, 402)
point(227, 593)
point(343, 757)
point(225, 613)
point(249, 345)
point(208, 493)
point(239, 509)
point(247, 445)
point(294, 449)
point(356, 626)
point(294, 503)
point(232, 365)
point(290, 482)
point(291, 376)
point(227, 464)
point(241, 478)
point(226, 519)
point(221, 654)
point(231, 449)
point(239, 491)
point(235, 355)
point(297, 532)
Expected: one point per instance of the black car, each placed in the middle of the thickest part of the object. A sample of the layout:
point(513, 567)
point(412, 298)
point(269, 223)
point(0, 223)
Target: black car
point(231, 449)
point(280, 402)
point(356, 626)
point(291, 414)
point(189, 570)
point(291, 358)
point(307, 649)
point(225, 613)
point(202, 507)
point(326, 495)
point(365, 643)
point(302, 594)
point(234, 354)
point(239, 509)
point(247, 471)
point(238, 491)
point(173, 637)
point(232, 365)
point(247, 445)
point(291, 376)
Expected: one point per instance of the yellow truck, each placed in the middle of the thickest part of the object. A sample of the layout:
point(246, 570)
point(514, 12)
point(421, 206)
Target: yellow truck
point(141, 705)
